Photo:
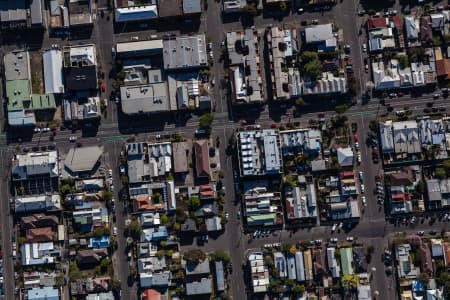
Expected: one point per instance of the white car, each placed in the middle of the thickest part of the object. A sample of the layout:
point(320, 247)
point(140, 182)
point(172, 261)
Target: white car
point(350, 239)
point(115, 231)
point(359, 157)
point(334, 240)
point(357, 146)
point(361, 178)
point(37, 130)
point(363, 199)
point(110, 173)
point(227, 216)
point(362, 189)
point(364, 47)
point(333, 229)
point(73, 139)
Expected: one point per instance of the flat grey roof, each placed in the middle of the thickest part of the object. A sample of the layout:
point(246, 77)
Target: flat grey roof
point(36, 12)
point(17, 65)
point(145, 98)
point(83, 159)
point(12, 11)
point(184, 52)
point(191, 7)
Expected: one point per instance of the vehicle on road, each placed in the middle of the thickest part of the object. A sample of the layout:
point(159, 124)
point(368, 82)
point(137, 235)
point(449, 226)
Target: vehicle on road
point(362, 189)
point(122, 170)
point(363, 199)
point(115, 231)
point(334, 240)
point(238, 215)
point(420, 232)
point(436, 96)
point(333, 229)
point(364, 48)
point(361, 178)
point(72, 139)
point(432, 232)
point(350, 239)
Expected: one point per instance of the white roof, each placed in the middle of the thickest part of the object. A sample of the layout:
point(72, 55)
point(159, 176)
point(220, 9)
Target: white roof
point(53, 71)
point(139, 46)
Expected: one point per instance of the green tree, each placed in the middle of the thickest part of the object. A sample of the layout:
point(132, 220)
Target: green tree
point(206, 121)
point(308, 56)
point(313, 68)
point(194, 203)
point(194, 256)
point(299, 289)
point(134, 229)
point(342, 108)
point(404, 61)
point(66, 189)
point(164, 219)
point(283, 5)
point(299, 101)
point(250, 10)
point(107, 196)
point(440, 173)
point(220, 255)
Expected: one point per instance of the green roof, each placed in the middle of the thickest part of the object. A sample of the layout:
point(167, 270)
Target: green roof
point(347, 261)
point(43, 101)
point(262, 219)
point(18, 94)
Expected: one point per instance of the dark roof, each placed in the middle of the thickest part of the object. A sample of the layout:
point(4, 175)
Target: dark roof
point(443, 68)
point(202, 159)
point(81, 78)
point(379, 22)
point(189, 225)
point(426, 33)
point(170, 8)
point(38, 220)
point(85, 257)
point(38, 235)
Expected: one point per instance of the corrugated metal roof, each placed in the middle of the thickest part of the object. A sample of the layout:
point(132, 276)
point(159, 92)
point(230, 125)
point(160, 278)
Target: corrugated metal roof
point(52, 60)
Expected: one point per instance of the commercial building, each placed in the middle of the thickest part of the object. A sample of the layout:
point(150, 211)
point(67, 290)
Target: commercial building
point(39, 254)
point(43, 293)
point(82, 161)
point(282, 44)
point(53, 71)
point(13, 14)
point(80, 67)
point(40, 203)
point(245, 67)
point(322, 37)
point(300, 141)
point(327, 84)
point(201, 152)
point(301, 202)
point(139, 48)
point(80, 13)
point(35, 165)
point(262, 208)
point(438, 193)
point(259, 272)
point(259, 152)
point(185, 52)
point(136, 13)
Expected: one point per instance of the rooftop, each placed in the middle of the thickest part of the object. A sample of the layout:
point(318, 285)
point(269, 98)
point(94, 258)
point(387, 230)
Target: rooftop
point(43, 293)
point(192, 7)
point(170, 8)
point(146, 98)
point(83, 159)
point(13, 11)
point(136, 13)
point(17, 65)
point(184, 52)
point(80, 12)
point(201, 151)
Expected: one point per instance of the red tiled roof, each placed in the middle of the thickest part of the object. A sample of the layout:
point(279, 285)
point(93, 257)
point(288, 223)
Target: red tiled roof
point(446, 247)
point(150, 294)
point(206, 187)
point(443, 68)
point(37, 235)
point(398, 22)
point(379, 22)
point(202, 159)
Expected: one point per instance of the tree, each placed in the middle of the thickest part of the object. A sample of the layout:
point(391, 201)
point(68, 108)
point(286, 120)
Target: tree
point(164, 219)
point(180, 215)
point(134, 229)
point(220, 255)
point(299, 289)
point(206, 121)
point(276, 287)
point(342, 108)
point(249, 10)
point(194, 256)
point(308, 56)
point(283, 5)
point(156, 197)
point(104, 265)
point(440, 173)
point(194, 203)
point(299, 101)
point(66, 189)
point(313, 68)
point(404, 61)
point(107, 196)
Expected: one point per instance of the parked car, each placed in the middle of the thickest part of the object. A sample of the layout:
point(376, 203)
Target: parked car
point(333, 229)
point(72, 139)
point(362, 188)
point(115, 231)
point(420, 232)
point(122, 170)
point(363, 199)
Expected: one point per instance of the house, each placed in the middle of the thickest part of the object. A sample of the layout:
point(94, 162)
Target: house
point(184, 52)
point(412, 27)
point(262, 207)
point(300, 141)
point(201, 152)
point(290, 266)
point(101, 296)
point(406, 268)
point(426, 32)
point(259, 272)
point(80, 13)
point(84, 286)
point(158, 279)
point(347, 261)
point(180, 157)
point(446, 250)
point(345, 156)
point(43, 293)
point(406, 137)
point(282, 44)
point(198, 270)
point(259, 152)
point(327, 84)
point(332, 263)
point(99, 242)
point(307, 260)
point(196, 288)
point(154, 234)
point(220, 276)
point(280, 264)
point(91, 257)
point(150, 219)
point(438, 193)
point(364, 292)
point(245, 65)
point(39, 235)
point(38, 221)
point(41, 203)
point(151, 294)
point(53, 71)
point(299, 267)
point(301, 202)
point(189, 226)
point(322, 37)
point(386, 76)
point(86, 219)
point(34, 254)
point(151, 264)
point(213, 224)
point(383, 33)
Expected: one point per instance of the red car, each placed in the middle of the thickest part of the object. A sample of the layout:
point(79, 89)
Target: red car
point(273, 125)
point(356, 138)
point(377, 178)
